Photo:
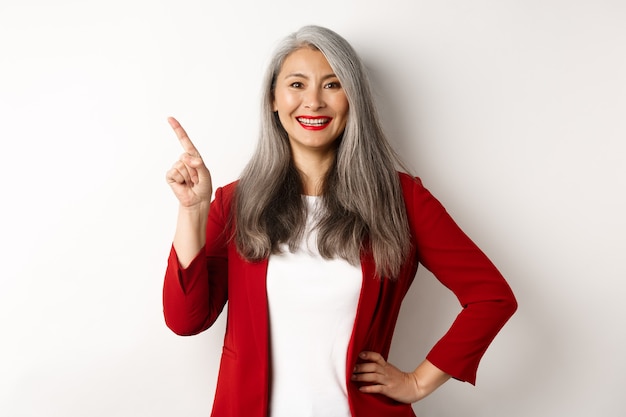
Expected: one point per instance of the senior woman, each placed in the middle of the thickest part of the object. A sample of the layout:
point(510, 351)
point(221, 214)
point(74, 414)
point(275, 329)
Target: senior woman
point(314, 249)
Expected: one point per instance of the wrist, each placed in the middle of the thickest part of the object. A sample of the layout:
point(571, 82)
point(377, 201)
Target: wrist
point(200, 206)
point(428, 378)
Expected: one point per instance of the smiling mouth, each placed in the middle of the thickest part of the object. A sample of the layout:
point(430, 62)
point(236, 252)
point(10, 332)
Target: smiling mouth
point(314, 123)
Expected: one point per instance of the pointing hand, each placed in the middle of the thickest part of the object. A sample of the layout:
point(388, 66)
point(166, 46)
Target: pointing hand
point(189, 178)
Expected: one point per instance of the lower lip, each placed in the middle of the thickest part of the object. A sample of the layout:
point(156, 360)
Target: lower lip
point(314, 127)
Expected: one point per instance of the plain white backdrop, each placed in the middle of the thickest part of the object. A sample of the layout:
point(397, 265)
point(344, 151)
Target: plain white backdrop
point(512, 112)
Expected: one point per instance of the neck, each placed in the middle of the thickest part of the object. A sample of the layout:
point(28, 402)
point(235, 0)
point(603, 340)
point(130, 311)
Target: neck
point(313, 169)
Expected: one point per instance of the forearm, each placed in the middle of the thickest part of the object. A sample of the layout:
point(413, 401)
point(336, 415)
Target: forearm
point(190, 235)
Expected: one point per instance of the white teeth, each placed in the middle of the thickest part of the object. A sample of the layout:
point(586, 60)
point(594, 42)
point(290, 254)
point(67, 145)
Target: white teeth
point(312, 122)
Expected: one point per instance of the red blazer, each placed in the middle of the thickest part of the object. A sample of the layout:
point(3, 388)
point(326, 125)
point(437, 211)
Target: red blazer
point(194, 297)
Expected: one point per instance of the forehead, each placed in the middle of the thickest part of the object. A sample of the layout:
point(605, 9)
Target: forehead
point(306, 61)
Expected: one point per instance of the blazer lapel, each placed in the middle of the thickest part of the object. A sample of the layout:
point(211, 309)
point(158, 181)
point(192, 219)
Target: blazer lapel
point(257, 297)
point(368, 301)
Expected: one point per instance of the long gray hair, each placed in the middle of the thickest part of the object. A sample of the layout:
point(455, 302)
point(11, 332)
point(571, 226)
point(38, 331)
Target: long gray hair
point(361, 194)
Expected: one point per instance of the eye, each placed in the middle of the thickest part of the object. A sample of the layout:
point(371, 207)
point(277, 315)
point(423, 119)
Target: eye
point(332, 85)
point(296, 84)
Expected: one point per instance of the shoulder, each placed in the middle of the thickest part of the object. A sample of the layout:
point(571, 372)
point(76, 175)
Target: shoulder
point(410, 185)
point(418, 199)
point(225, 193)
point(224, 196)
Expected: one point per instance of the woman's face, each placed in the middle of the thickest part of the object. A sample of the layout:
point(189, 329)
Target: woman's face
point(311, 104)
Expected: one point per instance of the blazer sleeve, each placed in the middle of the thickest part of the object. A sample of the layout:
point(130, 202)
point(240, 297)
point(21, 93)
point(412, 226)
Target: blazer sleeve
point(194, 297)
point(486, 299)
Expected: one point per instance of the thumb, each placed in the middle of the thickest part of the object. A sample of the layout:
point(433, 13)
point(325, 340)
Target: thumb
point(201, 172)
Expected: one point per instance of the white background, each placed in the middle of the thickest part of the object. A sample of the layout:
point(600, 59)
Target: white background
point(512, 112)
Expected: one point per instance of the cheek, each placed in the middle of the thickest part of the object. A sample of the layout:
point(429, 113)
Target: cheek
point(283, 119)
point(341, 106)
point(344, 115)
point(284, 102)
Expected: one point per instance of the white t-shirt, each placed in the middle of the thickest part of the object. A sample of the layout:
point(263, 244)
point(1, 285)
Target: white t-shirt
point(312, 305)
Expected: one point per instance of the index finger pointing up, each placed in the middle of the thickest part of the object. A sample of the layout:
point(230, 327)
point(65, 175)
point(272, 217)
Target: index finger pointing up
point(182, 137)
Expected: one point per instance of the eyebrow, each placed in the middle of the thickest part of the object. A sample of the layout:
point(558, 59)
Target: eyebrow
point(301, 75)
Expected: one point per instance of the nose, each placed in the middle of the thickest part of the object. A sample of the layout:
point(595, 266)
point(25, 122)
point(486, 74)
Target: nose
point(313, 99)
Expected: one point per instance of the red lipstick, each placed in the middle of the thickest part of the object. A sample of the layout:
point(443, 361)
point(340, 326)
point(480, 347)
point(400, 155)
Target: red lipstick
point(313, 122)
